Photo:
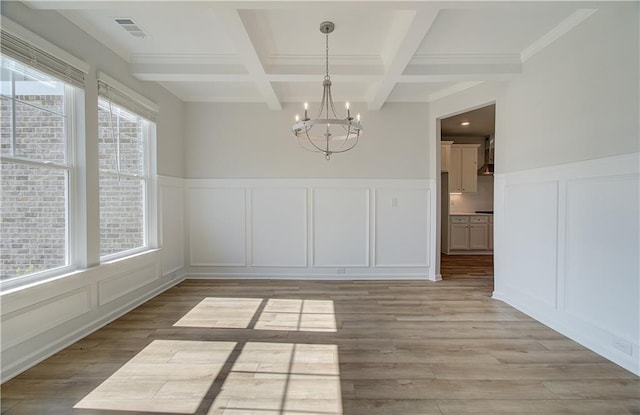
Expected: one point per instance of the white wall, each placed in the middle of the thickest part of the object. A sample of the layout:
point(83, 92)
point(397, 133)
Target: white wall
point(577, 99)
point(53, 27)
point(566, 190)
point(40, 319)
point(249, 140)
point(260, 206)
point(309, 228)
point(567, 240)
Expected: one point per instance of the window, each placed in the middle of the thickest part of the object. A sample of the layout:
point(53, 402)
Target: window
point(36, 169)
point(123, 140)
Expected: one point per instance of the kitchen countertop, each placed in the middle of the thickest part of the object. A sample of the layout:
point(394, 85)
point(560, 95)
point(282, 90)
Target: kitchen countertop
point(471, 214)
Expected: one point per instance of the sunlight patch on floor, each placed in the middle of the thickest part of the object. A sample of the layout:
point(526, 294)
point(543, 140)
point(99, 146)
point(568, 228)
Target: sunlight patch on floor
point(215, 312)
point(282, 378)
point(298, 315)
point(168, 376)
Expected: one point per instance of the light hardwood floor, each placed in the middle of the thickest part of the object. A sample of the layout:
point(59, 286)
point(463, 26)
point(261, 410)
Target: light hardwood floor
point(293, 347)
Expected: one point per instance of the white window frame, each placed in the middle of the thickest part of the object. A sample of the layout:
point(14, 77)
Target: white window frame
point(148, 177)
point(71, 96)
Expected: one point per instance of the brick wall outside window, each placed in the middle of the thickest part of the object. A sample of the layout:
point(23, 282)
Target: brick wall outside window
point(33, 199)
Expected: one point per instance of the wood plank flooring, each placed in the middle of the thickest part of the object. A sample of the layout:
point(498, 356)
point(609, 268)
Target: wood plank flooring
point(456, 266)
point(330, 347)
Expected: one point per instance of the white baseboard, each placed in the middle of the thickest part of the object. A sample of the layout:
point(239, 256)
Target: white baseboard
point(594, 339)
point(15, 368)
point(310, 277)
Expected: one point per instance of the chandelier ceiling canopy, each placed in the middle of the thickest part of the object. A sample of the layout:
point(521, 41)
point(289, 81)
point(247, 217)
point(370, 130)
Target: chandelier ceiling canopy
point(327, 133)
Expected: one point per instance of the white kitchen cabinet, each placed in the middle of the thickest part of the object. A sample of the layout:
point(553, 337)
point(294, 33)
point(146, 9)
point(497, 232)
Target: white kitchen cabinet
point(459, 236)
point(479, 236)
point(445, 155)
point(463, 168)
point(470, 233)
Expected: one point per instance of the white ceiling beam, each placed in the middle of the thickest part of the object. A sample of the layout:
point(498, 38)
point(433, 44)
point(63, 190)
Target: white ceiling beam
point(195, 72)
point(557, 32)
point(407, 33)
point(249, 56)
point(469, 70)
point(307, 5)
point(471, 77)
point(300, 77)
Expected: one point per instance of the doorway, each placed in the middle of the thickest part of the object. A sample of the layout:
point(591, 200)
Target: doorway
point(467, 143)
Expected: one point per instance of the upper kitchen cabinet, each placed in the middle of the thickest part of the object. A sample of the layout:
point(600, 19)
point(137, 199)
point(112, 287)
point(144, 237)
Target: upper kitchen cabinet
point(463, 168)
point(445, 155)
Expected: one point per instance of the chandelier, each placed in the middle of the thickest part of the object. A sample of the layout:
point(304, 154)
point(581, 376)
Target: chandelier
point(327, 133)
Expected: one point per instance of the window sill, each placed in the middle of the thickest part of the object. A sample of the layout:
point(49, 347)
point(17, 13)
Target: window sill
point(46, 277)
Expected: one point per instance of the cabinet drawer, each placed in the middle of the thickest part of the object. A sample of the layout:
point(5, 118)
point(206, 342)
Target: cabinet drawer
point(479, 219)
point(459, 219)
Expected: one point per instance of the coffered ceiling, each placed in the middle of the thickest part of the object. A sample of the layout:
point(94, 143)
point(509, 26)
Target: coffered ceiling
point(273, 51)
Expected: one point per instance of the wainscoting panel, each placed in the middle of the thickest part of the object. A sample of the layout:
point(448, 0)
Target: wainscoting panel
point(341, 227)
point(116, 286)
point(279, 227)
point(310, 228)
point(531, 209)
point(602, 273)
point(402, 227)
point(567, 251)
point(217, 226)
point(21, 325)
point(41, 319)
point(172, 227)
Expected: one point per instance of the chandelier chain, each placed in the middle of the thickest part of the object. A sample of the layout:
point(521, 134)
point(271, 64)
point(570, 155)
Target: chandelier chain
point(327, 53)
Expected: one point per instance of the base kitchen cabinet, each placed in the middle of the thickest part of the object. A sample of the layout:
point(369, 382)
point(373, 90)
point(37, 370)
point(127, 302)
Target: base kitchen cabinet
point(459, 232)
point(478, 234)
point(470, 233)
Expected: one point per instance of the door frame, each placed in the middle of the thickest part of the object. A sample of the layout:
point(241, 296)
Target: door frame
point(436, 117)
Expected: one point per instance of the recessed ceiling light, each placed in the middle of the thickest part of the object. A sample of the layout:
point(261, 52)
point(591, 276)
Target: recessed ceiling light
point(465, 123)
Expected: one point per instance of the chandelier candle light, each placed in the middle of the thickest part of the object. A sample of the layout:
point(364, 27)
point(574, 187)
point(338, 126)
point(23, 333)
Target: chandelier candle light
point(327, 133)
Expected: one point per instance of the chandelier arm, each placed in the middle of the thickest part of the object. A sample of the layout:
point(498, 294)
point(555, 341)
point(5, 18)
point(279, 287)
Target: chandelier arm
point(345, 140)
point(300, 141)
point(333, 109)
point(347, 149)
point(313, 144)
point(321, 104)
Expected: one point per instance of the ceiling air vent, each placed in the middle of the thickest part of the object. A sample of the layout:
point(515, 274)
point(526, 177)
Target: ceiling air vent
point(130, 26)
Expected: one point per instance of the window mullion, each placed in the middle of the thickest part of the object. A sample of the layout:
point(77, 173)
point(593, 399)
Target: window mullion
point(28, 104)
point(13, 113)
point(69, 138)
point(123, 194)
point(114, 173)
point(43, 164)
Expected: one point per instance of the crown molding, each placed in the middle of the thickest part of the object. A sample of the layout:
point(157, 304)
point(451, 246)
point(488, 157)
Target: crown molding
point(453, 89)
point(341, 60)
point(556, 33)
point(185, 59)
point(465, 59)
